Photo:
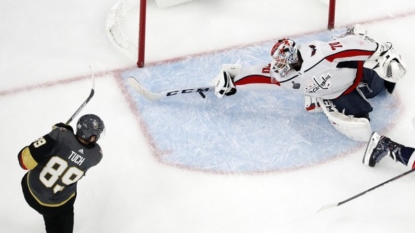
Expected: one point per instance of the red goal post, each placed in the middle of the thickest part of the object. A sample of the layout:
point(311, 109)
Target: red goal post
point(142, 33)
point(126, 28)
point(332, 14)
point(126, 25)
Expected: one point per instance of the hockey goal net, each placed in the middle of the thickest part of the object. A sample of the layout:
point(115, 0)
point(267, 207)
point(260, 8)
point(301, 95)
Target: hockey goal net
point(126, 21)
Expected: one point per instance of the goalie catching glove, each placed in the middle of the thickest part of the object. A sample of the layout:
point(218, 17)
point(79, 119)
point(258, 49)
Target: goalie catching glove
point(387, 63)
point(223, 82)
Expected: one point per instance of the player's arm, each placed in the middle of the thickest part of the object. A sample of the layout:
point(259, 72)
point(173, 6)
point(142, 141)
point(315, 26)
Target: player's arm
point(349, 48)
point(40, 149)
point(232, 76)
point(63, 126)
point(383, 58)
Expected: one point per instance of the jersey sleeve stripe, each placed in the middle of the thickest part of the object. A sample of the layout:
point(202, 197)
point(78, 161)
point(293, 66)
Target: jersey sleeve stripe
point(254, 79)
point(356, 54)
point(26, 159)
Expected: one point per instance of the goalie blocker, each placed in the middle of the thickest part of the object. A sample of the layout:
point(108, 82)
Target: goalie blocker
point(223, 82)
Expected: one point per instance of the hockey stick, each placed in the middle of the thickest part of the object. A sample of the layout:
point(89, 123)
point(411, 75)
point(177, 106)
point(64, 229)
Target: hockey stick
point(159, 95)
point(362, 193)
point(85, 102)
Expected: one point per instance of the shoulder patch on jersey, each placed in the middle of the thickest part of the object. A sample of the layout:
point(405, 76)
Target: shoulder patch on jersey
point(313, 50)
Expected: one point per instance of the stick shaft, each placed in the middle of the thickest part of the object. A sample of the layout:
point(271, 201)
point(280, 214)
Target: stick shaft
point(91, 94)
point(159, 95)
point(377, 186)
point(366, 191)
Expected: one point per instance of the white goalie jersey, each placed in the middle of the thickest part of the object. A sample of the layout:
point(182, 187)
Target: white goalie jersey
point(321, 74)
point(324, 72)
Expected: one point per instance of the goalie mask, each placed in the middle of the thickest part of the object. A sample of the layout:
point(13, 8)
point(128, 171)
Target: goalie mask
point(89, 125)
point(283, 53)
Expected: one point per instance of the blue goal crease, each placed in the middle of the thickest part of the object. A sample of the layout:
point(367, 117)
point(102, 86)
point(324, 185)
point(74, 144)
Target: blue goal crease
point(252, 131)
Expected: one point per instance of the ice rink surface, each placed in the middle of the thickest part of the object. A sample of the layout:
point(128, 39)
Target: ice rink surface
point(255, 162)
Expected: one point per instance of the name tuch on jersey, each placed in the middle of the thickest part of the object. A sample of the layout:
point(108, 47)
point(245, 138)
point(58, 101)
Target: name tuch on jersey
point(76, 158)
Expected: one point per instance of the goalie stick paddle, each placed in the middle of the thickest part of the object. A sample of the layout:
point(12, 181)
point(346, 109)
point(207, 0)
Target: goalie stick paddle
point(91, 94)
point(159, 95)
point(364, 192)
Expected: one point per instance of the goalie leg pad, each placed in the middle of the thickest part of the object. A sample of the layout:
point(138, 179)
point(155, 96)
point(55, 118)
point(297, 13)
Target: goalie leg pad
point(357, 129)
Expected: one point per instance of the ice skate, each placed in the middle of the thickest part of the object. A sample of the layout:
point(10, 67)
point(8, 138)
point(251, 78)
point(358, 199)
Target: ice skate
point(378, 147)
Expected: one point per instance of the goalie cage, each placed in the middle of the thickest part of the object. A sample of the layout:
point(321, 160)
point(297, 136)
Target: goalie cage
point(126, 21)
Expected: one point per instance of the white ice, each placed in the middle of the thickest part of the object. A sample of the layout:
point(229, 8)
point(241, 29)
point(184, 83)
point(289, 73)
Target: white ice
point(49, 49)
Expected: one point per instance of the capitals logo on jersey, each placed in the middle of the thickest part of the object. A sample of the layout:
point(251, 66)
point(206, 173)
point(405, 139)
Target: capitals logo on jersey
point(322, 83)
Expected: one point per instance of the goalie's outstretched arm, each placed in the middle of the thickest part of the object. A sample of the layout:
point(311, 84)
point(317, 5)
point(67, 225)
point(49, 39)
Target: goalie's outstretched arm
point(232, 77)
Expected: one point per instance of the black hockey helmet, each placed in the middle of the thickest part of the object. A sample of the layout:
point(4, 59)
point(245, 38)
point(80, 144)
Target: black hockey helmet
point(89, 125)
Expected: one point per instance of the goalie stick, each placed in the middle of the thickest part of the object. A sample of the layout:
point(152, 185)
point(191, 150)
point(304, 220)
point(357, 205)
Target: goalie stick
point(91, 94)
point(364, 192)
point(159, 95)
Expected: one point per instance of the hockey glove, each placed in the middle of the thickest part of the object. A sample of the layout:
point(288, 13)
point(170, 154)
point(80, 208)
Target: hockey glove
point(223, 82)
point(224, 85)
point(62, 125)
point(311, 104)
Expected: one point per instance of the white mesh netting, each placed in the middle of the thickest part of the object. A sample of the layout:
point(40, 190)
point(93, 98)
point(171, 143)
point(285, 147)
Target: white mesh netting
point(122, 27)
